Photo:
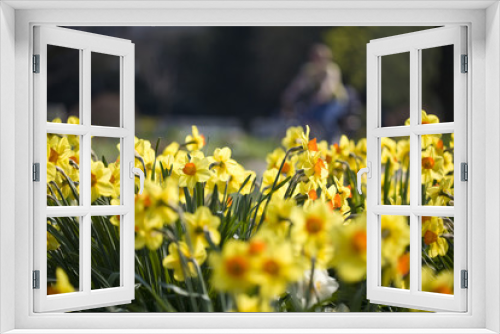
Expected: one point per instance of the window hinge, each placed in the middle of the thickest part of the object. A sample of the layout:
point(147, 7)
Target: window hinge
point(36, 279)
point(36, 172)
point(464, 172)
point(465, 64)
point(36, 63)
point(464, 279)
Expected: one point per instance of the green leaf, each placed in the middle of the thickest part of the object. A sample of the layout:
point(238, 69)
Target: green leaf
point(153, 172)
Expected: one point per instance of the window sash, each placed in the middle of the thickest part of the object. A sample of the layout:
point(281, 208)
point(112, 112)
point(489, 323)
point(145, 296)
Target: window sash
point(86, 43)
point(413, 43)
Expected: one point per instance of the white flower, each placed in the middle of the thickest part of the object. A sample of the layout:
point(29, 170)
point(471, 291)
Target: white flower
point(323, 287)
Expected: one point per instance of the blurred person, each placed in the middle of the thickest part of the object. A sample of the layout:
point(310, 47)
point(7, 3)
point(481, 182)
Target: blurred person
point(317, 96)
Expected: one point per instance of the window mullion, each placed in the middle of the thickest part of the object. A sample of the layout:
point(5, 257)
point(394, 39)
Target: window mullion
point(414, 169)
point(397, 210)
point(110, 132)
point(392, 131)
point(85, 177)
point(434, 211)
point(429, 129)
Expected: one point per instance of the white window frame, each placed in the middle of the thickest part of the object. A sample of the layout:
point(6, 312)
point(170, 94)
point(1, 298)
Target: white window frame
point(124, 131)
point(413, 44)
point(483, 21)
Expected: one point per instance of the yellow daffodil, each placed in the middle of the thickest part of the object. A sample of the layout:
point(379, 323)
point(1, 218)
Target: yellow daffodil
point(154, 208)
point(73, 140)
point(144, 151)
point(51, 167)
point(344, 191)
point(59, 151)
point(194, 170)
point(245, 303)
point(171, 149)
point(278, 215)
point(350, 250)
point(343, 147)
point(233, 184)
point(201, 222)
point(308, 145)
point(432, 166)
point(114, 167)
point(168, 201)
point(433, 140)
point(361, 151)
point(293, 137)
point(426, 119)
point(275, 158)
point(403, 153)
point(63, 285)
point(437, 283)
point(389, 154)
point(115, 220)
point(52, 243)
point(73, 120)
point(100, 181)
point(268, 180)
point(223, 165)
point(313, 227)
point(441, 193)
point(315, 223)
point(261, 241)
point(448, 164)
point(336, 195)
point(275, 268)
point(314, 167)
point(247, 188)
point(429, 119)
point(164, 163)
point(324, 149)
point(395, 234)
point(173, 260)
point(148, 234)
point(432, 229)
point(397, 274)
point(307, 188)
point(232, 268)
point(195, 141)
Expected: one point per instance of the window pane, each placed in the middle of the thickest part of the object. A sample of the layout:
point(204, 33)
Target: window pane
point(395, 170)
point(63, 255)
point(105, 252)
point(395, 95)
point(437, 84)
point(437, 254)
point(63, 85)
point(105, 171)
point(395, 251)
point(63, 172)
point(105, 79)
point(437, 170)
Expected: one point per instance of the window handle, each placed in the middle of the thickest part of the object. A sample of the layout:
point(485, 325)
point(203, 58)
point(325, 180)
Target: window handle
point(368, 171)
point(137, 171)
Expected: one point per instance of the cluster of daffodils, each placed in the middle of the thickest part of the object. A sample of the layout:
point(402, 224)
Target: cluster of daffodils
point(221, 238)
point(437, 182)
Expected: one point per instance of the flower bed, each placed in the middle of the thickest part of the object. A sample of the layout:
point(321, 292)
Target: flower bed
point(211, 236)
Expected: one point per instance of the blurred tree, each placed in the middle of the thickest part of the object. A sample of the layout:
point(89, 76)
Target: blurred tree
point(349, 49)
point(348, 45)
point(241, 72)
